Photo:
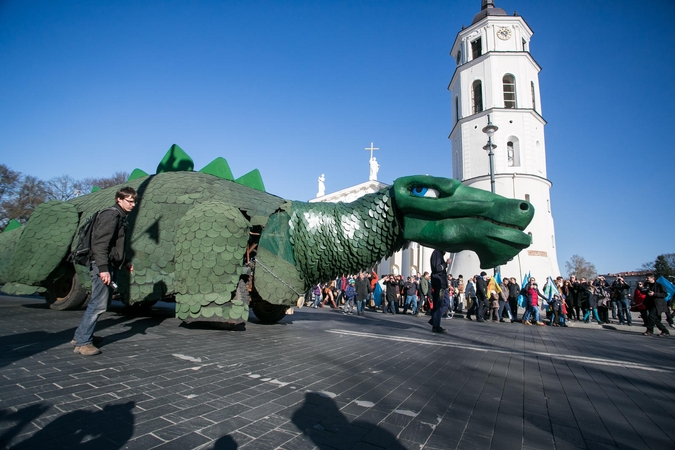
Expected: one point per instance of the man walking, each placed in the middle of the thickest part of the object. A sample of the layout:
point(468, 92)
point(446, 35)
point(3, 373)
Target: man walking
point(439, 287)
point(481, 296)
point(656, 304)
point(107, 256)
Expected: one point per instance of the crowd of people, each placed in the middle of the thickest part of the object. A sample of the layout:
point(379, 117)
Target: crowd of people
point(484, 298)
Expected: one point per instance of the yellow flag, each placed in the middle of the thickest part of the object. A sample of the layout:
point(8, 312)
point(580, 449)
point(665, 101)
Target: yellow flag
point(493, 286)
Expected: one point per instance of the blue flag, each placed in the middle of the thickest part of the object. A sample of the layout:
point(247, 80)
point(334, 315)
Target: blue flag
point(498, 278)
point(521, 299)
point(668, 286)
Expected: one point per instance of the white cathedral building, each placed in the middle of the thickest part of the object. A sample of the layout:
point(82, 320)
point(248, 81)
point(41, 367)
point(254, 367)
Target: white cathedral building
point(497, 76)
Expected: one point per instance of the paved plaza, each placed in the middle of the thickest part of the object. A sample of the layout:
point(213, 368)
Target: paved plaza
point(323, 380)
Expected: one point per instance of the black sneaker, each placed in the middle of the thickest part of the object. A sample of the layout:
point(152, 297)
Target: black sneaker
point(438, 330)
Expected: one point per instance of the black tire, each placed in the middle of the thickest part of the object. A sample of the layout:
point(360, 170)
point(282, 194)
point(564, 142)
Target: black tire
point(267, 312)
point(66, 293)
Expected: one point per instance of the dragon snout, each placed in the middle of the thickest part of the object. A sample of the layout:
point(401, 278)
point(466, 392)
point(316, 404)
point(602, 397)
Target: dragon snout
point(514, 212)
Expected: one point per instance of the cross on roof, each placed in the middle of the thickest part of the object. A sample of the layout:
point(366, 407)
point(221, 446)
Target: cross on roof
point(371, 150)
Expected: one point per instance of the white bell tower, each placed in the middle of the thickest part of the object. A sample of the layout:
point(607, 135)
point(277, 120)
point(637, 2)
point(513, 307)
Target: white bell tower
point(497, 76)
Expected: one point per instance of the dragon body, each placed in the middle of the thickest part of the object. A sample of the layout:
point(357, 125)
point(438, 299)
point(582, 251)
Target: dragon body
point(193, 235)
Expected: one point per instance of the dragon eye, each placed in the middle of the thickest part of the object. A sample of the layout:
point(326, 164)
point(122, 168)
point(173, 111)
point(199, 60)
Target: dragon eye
point(420, 191)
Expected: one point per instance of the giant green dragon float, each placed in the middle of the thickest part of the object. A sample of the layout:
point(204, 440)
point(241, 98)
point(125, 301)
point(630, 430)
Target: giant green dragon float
point(217, 245)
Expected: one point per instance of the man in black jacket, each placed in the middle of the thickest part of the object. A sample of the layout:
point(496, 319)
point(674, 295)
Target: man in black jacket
point(439, 286)
point(481, 296)
point(621, 289)
point(107, 247)
point(362, 286)
point(656, 304)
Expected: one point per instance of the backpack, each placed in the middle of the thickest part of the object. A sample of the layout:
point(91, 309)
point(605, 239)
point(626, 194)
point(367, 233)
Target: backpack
point(82, 253)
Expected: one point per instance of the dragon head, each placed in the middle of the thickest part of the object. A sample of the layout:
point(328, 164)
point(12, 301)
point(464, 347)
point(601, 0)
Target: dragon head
point(442, 213)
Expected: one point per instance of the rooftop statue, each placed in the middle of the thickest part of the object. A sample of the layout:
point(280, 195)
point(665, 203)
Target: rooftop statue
point(218, 245)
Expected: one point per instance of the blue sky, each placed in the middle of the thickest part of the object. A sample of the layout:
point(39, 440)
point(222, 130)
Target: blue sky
point(300, 88)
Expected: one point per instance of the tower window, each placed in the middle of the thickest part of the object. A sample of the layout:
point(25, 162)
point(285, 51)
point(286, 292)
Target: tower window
point(509, 82)
point(459, 56)
point(456, 109)
point(477, 96)
point(534, 104)
point(524, 45)
point(513, 151)
point(476, 48)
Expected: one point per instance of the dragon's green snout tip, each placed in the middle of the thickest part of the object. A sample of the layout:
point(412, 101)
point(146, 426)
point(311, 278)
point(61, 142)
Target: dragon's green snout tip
point(444, 214)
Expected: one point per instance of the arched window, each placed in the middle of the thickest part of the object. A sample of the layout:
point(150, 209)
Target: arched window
point(459, 56)
point(509, 82)
point(477, 96)
point(534, 103)
point(513, 151)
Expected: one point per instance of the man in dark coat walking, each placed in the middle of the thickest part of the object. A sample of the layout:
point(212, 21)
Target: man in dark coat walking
point(439, 286)
point(655, 302)
point(481, 297)
point(107, 256)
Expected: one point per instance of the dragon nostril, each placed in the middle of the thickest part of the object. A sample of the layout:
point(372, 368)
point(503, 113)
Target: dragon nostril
point(524, 206)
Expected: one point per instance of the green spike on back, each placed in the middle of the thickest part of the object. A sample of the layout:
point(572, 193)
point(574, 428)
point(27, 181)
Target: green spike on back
point(252, 180)
point(13, 225)
point(137, 173)
point(219, 168)
point(176, 160)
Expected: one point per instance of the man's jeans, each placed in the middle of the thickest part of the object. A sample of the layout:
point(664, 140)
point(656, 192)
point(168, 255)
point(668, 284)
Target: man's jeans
point(98, 304)
point(504, 305)
point(441, 305)
point(408, 300)
point(532, 310)
point(624, 311)
point(392, 306)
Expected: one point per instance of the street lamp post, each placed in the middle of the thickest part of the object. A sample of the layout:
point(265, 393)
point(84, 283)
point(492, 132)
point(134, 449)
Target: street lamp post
point(490, 129)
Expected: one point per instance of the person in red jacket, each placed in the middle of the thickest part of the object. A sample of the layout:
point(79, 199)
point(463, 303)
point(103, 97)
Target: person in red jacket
point(639, 302)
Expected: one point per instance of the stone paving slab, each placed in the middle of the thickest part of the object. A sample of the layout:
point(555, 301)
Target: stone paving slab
point(323, 380)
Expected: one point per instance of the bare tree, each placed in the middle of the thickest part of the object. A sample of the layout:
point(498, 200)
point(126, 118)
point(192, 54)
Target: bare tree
point(85, 186)
point(9, 181)
point(30, 193)
point(61, 188)
point(579, 267)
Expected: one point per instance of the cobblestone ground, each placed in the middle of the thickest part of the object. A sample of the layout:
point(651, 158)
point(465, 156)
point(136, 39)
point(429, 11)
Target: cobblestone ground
point(320, 379)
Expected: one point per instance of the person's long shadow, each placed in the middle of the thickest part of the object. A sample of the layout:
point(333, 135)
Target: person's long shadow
point(109, 428)
point(138, 326)
point(320, 419)
point(15, 347)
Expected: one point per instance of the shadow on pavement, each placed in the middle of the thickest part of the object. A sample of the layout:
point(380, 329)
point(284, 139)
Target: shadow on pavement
point(321, 421)
point(225, 443)
point(15, 347)
point(109, 428)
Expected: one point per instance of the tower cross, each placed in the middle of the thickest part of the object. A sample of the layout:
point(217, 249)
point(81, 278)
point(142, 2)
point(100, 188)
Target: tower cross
point(371, 150)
